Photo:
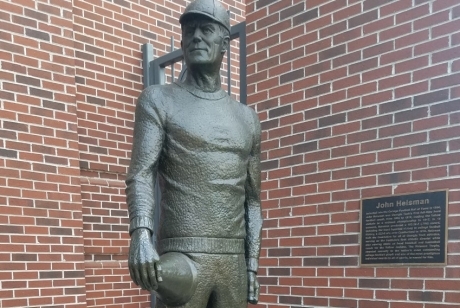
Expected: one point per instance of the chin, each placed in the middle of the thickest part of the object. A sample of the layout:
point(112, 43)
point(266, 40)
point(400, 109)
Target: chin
point(201, 62)
point(198, 60)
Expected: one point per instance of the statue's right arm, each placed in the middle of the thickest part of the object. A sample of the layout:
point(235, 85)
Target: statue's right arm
point(148, 139)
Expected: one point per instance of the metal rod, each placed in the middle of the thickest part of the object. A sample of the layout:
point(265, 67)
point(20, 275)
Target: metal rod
point(229, 72)
point(147, 58)
point(172, 66)
point(229, 81)
point(243, 65)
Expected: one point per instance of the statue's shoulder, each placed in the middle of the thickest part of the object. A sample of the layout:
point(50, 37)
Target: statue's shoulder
point(157, 96)
point(158, 91)
point(252, 114)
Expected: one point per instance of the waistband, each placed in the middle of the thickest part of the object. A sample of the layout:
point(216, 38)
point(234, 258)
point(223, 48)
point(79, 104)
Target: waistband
point(202, 245)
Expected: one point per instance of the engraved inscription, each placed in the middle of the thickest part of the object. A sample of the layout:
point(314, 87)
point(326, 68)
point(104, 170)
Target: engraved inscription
point(403, 230)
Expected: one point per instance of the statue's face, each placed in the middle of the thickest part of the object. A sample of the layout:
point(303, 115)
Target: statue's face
point(203, 42)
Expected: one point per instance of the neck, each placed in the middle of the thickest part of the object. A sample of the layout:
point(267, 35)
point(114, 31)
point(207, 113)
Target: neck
point(206, 82)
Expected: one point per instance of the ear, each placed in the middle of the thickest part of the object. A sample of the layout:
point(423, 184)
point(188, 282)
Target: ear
point(225, 44)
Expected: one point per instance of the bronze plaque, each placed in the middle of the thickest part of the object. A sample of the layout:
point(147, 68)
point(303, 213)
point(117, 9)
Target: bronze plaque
point(404, 229)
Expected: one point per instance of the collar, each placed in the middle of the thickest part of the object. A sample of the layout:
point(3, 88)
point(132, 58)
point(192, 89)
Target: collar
point(219, 94)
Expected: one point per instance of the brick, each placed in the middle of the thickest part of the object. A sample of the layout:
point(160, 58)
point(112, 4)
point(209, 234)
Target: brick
point(290, 300)
point(279, 252)
point(411, 115)
point(344, 239)
point(262, 3)
point(332, 120)
point(41, 93)
point(394, 178)
point(374, 283)
point(333, 29)
point(432, 45)
point(318, 90)
point(346, 59)
point(363, 66)
point(15, 126)
point(8, 153)
point(437, 147)
point(346, 36)
point(450, 106)
point(38, 34)
point(330, 7)
point(292, 10)
point(362, 42)
point(304, 17)
point(315, 261)
point(12, 48)
point(317, 112)
point(395, 105)
point(445, 28)
point(446, 81)
point(362, 19)
point(332, 52)
point(267, 21)
point(430, 72)
point(36, 14)
point(305, 147)
point(28, 80)
point(344, 261)
point(24, 21)
point(288, 77)
point(432, 97)
point(370, 4)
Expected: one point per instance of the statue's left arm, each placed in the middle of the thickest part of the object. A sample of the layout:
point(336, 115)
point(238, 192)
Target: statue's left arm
point(253, 213)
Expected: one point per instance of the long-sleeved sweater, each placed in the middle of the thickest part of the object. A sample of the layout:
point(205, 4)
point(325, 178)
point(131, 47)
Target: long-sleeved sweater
point(205, 147)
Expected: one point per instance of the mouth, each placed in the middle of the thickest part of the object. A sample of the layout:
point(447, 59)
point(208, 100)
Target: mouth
point(196, 49)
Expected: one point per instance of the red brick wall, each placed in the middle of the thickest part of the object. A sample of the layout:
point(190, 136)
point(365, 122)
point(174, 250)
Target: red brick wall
point(70, 75)
point(41, 259)
point(357, 99)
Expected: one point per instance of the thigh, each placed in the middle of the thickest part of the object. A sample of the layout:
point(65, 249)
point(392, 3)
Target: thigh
point(231, 289)
point(204, 287)
point(198, 300)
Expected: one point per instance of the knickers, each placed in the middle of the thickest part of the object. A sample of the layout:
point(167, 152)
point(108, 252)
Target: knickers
point(221, 282)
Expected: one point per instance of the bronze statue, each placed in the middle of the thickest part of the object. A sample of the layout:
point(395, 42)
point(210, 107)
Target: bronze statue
point(205, 147)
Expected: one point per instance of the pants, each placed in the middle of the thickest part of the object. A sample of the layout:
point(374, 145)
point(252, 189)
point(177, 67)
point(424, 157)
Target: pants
point(222, 282)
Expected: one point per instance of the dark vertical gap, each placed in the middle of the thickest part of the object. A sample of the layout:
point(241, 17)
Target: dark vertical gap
point(172, 66)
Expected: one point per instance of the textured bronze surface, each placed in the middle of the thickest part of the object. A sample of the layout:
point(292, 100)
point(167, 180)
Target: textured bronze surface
point(205, 149)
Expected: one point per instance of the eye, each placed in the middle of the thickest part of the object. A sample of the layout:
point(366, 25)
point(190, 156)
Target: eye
point(207, 30)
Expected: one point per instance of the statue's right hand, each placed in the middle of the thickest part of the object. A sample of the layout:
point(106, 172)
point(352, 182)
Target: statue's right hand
point(143, 259)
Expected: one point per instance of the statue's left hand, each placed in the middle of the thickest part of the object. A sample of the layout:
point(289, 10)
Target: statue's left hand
point(254, 288)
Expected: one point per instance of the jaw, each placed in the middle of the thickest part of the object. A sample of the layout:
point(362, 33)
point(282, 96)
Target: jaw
point(203, 63)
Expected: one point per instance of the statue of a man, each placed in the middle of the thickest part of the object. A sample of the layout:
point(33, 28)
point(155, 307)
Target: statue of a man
point(205, 147)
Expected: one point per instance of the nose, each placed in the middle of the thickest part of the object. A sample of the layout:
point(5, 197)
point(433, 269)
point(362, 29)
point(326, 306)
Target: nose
point(197, 35)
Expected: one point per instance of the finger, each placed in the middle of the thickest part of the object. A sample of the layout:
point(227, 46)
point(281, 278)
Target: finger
point(131, 273)
point(156, 257)
point(137, 276)
point(159, 272)
point(153, 277)
point(251, 290)
point(145, 277)
point(251, 284)
point(257, 292)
